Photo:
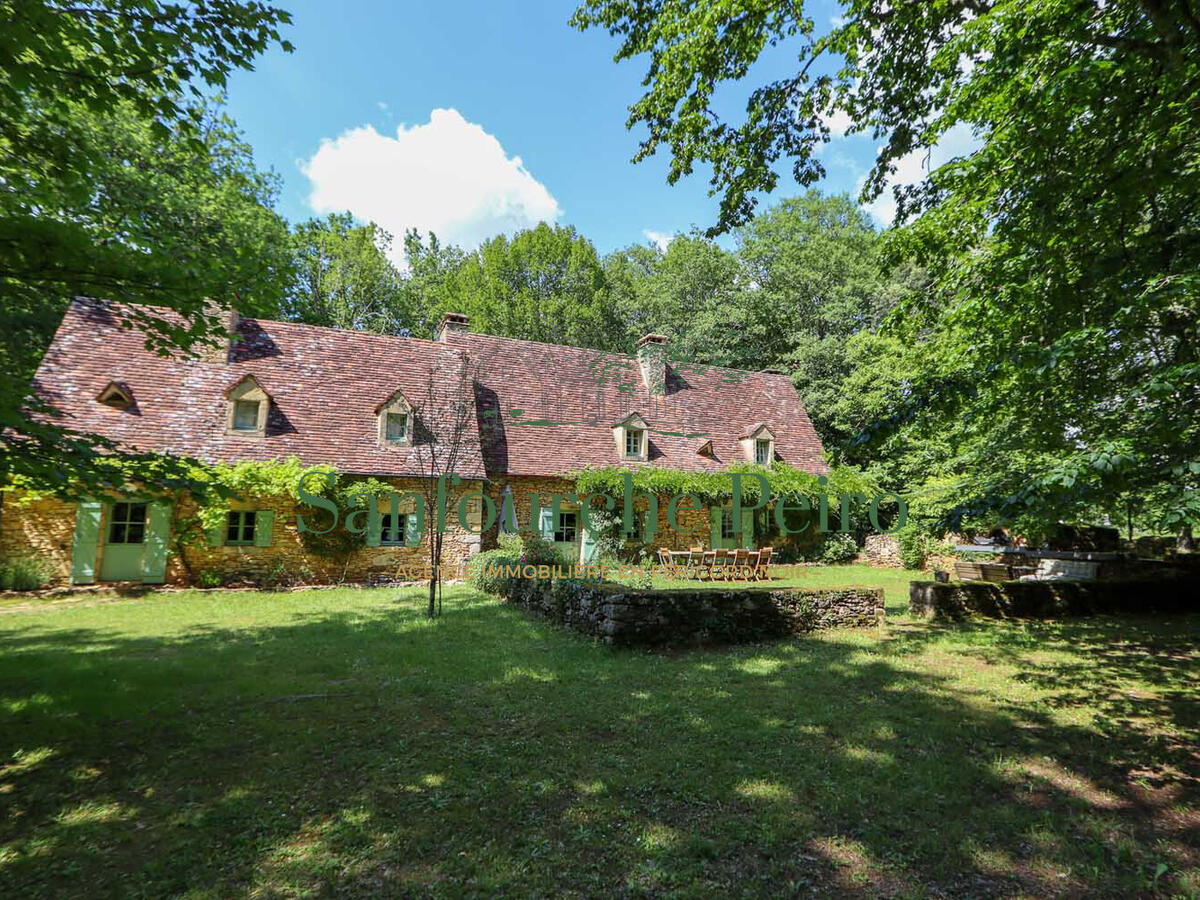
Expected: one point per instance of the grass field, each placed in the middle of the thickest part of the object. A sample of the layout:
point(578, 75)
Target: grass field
point(336, 742)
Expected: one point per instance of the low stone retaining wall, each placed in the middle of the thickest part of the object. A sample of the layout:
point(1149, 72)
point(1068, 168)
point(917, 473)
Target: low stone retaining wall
point(1052, 599)
point(629, 617)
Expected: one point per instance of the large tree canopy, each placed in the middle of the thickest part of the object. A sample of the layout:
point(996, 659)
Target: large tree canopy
point(344, 278)
point(114, 184)
point(542, 284)
point(1064, 250)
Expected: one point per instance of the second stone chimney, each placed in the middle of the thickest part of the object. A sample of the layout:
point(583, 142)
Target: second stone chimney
point(452, 324)
point(652, 360)
point(227, 318)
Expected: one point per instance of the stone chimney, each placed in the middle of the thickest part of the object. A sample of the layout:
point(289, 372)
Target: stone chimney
point(227, 319)
point(453, 323)
point(652, 360)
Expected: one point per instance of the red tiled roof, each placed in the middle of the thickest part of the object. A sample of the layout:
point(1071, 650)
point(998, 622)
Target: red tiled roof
point(549, 409)
point(324, 383)
point(543, 409)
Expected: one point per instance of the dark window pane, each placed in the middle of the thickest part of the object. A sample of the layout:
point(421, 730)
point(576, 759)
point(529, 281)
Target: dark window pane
point(116, 534)
point(137, 512)
point(232, 528)
point(135, 533)
point(245, 415)
point(249, 520)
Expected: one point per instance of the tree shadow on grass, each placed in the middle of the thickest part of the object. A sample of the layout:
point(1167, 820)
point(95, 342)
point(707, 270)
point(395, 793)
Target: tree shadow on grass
point(372, 752)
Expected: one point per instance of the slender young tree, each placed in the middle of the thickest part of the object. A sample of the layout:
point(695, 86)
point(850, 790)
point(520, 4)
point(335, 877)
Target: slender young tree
point(445, 440)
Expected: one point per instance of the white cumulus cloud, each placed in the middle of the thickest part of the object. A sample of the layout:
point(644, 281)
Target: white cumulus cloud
point(660, 239)
point(448, 176)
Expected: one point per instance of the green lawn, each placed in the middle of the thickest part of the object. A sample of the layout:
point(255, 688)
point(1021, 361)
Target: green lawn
point(336, 742)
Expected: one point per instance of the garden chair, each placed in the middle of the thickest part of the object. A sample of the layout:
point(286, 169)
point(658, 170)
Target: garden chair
point(664, 560)
point(741, 563)
point(720, 564)
point(762, 569)
point(708, 564)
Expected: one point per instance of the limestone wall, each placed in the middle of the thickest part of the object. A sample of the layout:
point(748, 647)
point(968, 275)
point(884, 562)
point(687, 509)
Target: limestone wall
point(45, 528)
point(625, 616)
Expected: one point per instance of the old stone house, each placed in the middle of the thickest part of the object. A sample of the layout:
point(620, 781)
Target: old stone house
point(354, 401)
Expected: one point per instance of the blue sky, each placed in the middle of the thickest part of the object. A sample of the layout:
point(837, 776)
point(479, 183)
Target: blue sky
point(512, 82)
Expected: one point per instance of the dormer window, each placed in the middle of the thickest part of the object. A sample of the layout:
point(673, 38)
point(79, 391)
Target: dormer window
point(116, 395)
point(630, 435)
point(758, 444)
point(248, 407)
point(395, 421)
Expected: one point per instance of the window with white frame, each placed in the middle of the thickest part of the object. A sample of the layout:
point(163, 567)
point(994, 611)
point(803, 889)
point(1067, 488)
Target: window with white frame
point(762, 451)
point(633, 442)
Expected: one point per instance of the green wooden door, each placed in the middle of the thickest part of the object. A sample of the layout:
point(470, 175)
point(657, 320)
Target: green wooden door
point(124, 541)
point(158, 534)
point(86, 541)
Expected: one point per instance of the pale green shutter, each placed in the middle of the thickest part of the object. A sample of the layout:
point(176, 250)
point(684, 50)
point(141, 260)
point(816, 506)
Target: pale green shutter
point(589, 546)
point(714, 530)
point(374, 522)
point(748, 529)
point(411, 534)
point(87, 538)
point(158, 533)
point(264, 522)
point(547, 524)
point(216, 534)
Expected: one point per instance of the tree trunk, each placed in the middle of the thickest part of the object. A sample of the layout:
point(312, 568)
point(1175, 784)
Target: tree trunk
point(1184, 541)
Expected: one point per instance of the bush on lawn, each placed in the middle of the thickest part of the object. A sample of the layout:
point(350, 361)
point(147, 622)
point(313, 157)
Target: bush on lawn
point(835, 548)
point(23, 573)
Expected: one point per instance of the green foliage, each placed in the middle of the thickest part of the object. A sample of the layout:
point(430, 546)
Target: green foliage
point(913, 544)
point(209, 578)
point(23, 573)
point(543, 284)
point(106, 205)
point(835, 548)
point(485, 571)
point(344, 278)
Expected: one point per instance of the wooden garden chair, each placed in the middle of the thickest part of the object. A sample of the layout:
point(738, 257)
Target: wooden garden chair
point(708, 563)
point(741, 563)
point(762, 569)
point(720, 564)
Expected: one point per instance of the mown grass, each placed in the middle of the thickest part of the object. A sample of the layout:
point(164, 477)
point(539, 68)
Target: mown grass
point(337, 742)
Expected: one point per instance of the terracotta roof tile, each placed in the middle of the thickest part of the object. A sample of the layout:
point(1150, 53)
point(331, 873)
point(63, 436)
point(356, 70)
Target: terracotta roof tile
point(542, 409)
point(526, 386)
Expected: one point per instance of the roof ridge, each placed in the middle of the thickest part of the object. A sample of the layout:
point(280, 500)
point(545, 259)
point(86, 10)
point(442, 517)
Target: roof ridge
point(630, 356)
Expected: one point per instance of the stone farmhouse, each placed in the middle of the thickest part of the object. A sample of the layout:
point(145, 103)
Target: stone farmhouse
point(352, 400)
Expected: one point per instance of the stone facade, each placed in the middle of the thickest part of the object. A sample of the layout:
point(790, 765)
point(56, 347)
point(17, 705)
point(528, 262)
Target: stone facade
point(630, 617)
point(45, 528)
point(881, 550)
point(523, 489)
